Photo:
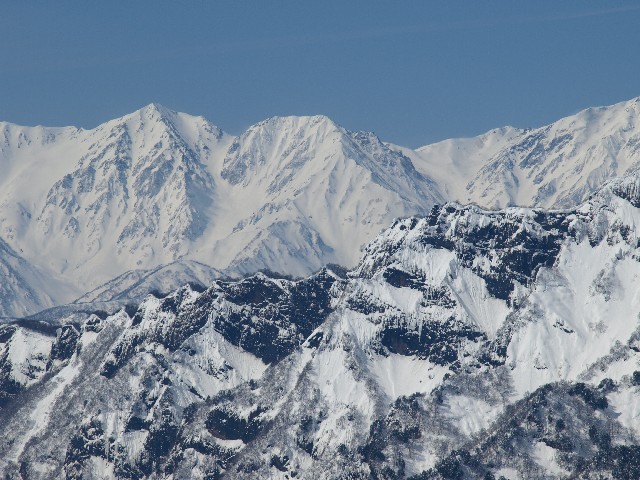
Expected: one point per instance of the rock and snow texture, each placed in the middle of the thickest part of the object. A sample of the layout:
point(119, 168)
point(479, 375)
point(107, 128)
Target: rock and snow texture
point(306, 192)
point(558, 165)
point(466, 343)
point(24, 289)
point(145, 201)
point(156, 191)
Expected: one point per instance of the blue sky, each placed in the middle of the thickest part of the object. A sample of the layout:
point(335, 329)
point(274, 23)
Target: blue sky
point(414, 72)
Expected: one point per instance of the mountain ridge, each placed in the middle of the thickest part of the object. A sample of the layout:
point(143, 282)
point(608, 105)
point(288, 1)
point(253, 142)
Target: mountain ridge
point(290, 194)
point(558, 164)
point(157, 187)
point(466, 343)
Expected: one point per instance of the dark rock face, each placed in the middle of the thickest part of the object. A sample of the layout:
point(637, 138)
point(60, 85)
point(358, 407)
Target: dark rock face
point(121, 353)
point(227, 425)
point(8, 386)
point(438, 342)
point(271, 377)
point(89, 441)
point(162, 437)
point(520, 245)
point(399, 279)
point(270, 319)
point(266, 317)
point(65, 345)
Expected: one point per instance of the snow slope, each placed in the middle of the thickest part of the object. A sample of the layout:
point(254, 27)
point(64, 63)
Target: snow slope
point(157, 188)
point(467, 343)
point(25, 288)
point(559, 164)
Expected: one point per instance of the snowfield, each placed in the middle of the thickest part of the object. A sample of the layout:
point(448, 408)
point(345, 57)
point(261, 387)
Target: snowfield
point(485, 321)
point(467, 343)
point(156, 198)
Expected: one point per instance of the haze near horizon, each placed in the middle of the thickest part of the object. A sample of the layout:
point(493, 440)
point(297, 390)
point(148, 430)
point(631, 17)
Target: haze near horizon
point(413, 74)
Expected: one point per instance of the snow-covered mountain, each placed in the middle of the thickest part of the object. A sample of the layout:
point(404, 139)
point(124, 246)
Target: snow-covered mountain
point(156, 190)
point(24, 288)
point(466, 343)
point(154, 198)
point(558, 165)
point(307, 192)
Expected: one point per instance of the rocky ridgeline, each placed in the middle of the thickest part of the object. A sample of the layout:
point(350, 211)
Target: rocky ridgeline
point(465, 344)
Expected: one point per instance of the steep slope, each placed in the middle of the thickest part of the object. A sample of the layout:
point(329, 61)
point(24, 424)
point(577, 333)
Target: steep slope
point(91, 204)
point(156, 187)
point(559, 165)
point(307, 192)
point(25, 288)
point(465, 344)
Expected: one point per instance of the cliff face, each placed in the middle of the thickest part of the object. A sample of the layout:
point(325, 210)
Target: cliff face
point(157, 197)
point(465, 343)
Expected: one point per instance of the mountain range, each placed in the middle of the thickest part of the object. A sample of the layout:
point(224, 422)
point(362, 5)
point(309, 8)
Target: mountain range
point(467, 343)
point(302, 301)
point(157, 198)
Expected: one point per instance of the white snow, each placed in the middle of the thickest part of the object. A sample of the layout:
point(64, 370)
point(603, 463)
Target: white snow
point(157, 188)
point(570, 325)
point(555, 165)
point(626, 403)
point(545, 457)
point(469, 414)
point(400, 375)
point(27, 352)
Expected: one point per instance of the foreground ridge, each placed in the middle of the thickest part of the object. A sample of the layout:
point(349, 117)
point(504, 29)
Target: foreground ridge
point(466, 343)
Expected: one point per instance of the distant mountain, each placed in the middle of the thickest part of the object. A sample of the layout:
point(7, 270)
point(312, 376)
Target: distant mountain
point(154, 198)
point(306, 192)
point(558, 165)
point(23, 287)
point(136, 284)
point(158, 188)
point(466, 343)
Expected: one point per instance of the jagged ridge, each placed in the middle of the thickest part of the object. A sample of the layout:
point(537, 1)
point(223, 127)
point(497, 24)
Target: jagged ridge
point(446, 353)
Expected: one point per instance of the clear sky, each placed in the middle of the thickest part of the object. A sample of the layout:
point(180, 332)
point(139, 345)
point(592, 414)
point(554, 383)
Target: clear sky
point(414, 72)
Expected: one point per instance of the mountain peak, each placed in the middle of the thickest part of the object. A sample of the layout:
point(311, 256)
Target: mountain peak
point(295, 123)
point(279, 143)
point(153, 112)
point(154, 109)
point(153, 121)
